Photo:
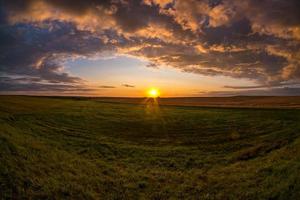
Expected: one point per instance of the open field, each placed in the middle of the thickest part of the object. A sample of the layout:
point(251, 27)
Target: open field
point(77, 148)
point(236, 102)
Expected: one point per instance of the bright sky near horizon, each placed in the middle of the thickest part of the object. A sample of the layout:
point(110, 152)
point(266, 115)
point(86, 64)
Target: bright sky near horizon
point(130, 76)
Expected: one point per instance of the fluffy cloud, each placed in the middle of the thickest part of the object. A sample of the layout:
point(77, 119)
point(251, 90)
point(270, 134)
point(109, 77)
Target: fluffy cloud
point(258, 40)
point(40, 51)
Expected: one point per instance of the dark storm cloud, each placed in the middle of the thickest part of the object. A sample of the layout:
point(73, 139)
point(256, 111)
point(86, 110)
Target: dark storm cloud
point(253, 39)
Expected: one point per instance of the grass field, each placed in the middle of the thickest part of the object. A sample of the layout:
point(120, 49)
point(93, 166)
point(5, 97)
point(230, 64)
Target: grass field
point(66, 148)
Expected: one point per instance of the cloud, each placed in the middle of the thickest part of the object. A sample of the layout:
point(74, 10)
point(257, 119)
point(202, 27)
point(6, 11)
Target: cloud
point(36, 85)
point(128, 86)
point(257, 40)
point(107, 86)
point(41, 51)
point(279, 85)
point(284, 91)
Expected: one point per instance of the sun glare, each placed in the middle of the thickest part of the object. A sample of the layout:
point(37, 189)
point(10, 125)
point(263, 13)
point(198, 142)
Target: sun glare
point(153, 93)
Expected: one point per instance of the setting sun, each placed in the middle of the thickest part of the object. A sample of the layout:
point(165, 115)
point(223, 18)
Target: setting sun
point(153, 93)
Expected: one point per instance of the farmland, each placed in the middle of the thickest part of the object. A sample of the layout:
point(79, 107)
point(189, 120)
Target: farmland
point(85, 148)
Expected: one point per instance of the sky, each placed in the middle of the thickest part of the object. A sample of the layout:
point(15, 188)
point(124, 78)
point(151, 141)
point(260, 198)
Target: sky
point(123, 47)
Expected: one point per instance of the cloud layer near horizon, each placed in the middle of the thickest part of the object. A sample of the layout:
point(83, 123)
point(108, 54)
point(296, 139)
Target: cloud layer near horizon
point(254, 39)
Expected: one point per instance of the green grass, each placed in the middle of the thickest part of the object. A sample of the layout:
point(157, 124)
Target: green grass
point(60, 148)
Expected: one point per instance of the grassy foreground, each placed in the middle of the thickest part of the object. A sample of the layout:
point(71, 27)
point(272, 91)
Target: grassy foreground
point(53, 148)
